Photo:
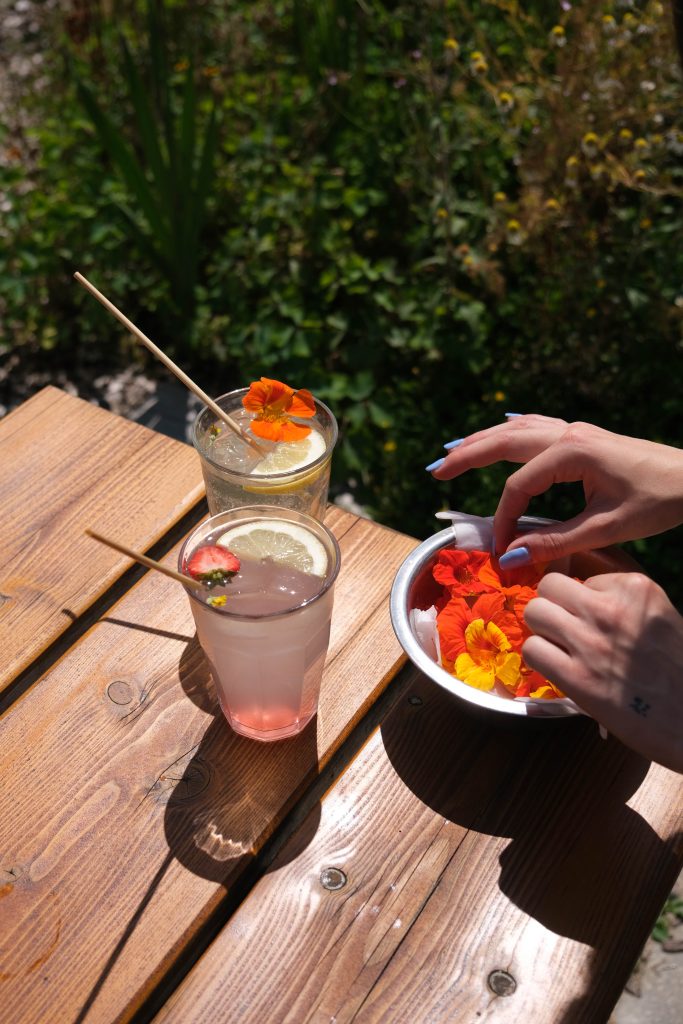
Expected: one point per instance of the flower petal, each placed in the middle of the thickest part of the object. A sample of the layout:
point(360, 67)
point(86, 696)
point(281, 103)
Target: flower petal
point(480, 676)
point(302, 404)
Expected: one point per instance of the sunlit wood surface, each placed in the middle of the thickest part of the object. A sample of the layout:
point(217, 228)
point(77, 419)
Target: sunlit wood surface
point(400, 861)
point(135, 807)
point(64, 465)
point(490, 876)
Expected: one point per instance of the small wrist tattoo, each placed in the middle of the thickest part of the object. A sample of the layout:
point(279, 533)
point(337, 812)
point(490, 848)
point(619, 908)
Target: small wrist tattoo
point(639, 706)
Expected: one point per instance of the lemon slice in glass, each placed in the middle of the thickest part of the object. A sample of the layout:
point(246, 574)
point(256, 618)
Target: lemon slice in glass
point(284, 543)
point(288, 456)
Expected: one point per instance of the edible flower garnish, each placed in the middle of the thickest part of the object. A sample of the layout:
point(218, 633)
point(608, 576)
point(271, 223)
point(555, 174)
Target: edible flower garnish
point(274, 403)
point(480, 623)
point(213, 564)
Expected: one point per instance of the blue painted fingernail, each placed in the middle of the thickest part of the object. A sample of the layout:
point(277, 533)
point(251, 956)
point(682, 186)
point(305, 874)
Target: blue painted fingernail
point(435, 465)
point(454, 444)
point(515, 559)
point(512, 415)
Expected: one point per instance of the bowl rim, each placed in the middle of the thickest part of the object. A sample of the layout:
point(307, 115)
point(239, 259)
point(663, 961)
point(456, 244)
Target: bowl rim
point(401, 624)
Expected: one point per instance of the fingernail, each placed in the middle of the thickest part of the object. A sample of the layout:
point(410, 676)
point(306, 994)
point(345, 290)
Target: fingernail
point(515, 559)
point(454, 444)
point(512, 415)
point(435, 465)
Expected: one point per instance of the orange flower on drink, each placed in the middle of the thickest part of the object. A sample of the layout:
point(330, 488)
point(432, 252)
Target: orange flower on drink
point(274, 403)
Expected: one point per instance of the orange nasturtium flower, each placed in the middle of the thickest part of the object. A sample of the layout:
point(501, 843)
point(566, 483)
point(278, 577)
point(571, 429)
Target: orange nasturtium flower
point(274, 404)
point(481, 623)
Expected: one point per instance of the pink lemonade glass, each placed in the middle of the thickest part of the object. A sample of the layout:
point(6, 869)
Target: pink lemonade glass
point(265, 632)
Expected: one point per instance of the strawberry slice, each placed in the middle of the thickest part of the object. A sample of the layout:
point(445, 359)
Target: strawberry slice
point(213, 564)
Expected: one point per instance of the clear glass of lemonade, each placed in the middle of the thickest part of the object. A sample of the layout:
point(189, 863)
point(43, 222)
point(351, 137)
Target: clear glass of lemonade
point(292, 474)
point(265, 630)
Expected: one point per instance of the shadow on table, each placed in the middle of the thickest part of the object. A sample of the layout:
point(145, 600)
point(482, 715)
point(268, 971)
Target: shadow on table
point(224, 798)
point(579, 858)
point(229, 792)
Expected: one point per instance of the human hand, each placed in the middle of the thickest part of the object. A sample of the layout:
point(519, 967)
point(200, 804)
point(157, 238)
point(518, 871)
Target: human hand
point(633, 488)
point(614, 644)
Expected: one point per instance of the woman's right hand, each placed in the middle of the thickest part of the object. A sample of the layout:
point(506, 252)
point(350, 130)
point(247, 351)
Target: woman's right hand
point(633, 487)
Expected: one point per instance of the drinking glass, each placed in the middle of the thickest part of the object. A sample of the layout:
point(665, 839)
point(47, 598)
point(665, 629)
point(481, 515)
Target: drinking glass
point(228, 463)
point(267, 667)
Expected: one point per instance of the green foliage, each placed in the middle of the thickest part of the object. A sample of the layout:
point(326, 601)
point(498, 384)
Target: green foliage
point(169, 182)
point(671, 915)
point(427, 213)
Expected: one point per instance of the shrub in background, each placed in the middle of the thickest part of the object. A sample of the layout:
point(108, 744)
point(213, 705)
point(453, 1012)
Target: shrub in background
point(427, 213)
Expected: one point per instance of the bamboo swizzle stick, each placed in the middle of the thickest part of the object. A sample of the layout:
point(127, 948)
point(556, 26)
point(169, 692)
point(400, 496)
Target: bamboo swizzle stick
point(149, 563)
point(173, 367)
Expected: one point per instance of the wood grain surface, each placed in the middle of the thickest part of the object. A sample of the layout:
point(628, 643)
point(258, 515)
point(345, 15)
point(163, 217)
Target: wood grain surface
point(66, 464)
point(129, 807)
point(491, 875)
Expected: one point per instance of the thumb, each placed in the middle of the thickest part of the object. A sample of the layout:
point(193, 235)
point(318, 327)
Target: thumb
point(549, 543)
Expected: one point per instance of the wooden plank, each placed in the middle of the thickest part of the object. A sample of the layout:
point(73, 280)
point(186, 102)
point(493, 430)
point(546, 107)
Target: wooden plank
point(539, 851)
point(66, 464)
point(134, 808)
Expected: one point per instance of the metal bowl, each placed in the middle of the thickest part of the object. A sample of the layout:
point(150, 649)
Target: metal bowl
point(412, 588)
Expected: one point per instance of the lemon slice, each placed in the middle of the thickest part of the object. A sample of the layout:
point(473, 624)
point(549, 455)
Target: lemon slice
point(284, 543)
point(289, 456)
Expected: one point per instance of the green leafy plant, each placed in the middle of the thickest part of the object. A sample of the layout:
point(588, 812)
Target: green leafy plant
point(167, 167)
point(671, 914)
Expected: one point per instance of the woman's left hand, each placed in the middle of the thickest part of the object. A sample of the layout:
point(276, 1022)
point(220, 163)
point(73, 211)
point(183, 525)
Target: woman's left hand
point(614, 644)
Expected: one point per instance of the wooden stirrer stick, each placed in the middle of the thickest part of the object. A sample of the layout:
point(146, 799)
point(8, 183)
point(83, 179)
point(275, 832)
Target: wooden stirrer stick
point(173, 367)
point(149, 563)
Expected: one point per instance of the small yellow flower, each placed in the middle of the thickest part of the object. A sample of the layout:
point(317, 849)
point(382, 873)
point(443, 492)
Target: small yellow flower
point(217, 602)
point(499, 396)
point(390, 446)
point(572, 161)
point(641, 144)
point(442, 213)
point(640, 175)
point(552, 205)
point(645, 223)
point(514, 232)
point(468, 261)
point(500, 197)
point(609, 25)
point(505, 100)
point(478, 65)
point(625, 135)
point(452, 44)
point(590, 144)
point(657, 139)
point(630, 20)
point(557, 36)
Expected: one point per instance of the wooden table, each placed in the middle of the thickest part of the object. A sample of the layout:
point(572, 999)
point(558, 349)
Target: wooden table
point(399, 861)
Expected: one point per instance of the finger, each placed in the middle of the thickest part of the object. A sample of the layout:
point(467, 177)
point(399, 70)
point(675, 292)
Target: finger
point(566, 592)
point(553, 662)
point(517, 440)
point(552, 622)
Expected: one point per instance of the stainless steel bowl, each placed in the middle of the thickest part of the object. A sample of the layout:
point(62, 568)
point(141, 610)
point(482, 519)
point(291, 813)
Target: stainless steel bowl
point(413, 577)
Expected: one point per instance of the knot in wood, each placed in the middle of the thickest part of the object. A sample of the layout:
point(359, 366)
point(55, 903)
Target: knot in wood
point(502, 983)
point(120, 692)
point(333, 879)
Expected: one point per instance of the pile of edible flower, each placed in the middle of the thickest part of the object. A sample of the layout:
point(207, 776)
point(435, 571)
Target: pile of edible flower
point(480, 623)
point(274, 404)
